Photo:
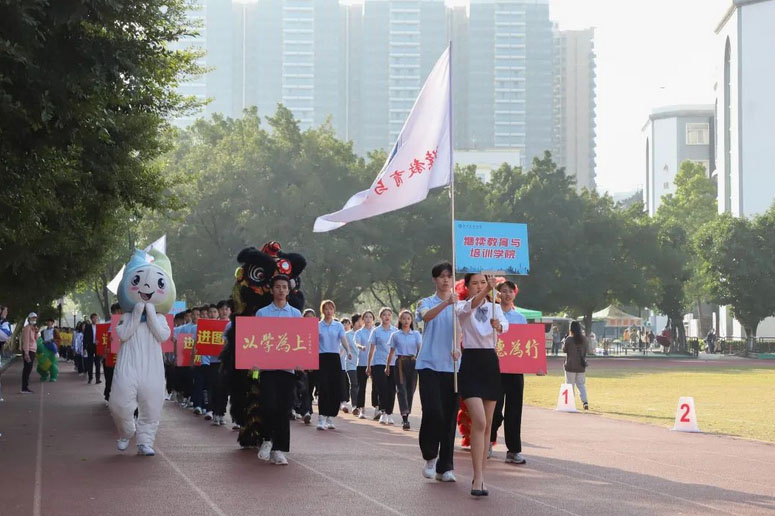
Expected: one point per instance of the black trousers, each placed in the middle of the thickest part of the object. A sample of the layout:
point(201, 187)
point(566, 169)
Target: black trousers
point(198, 393)
point(362, 378)
point(184, 380)
point(211, 386)
point(222, 392)
point(344, 395)
point(169, 377)
point(93, 364)
point(27, 370)
point(329, 384)
point(513, 390)
point(303, 402)
point(352, 383)
point(276, 401)
point(406, 383)
point(386, 385)
point(79, 363)
point(108, 381)
point(440, 404)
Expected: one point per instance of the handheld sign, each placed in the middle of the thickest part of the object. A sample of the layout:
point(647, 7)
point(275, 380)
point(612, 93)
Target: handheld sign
point(522, 349)
point(276, 343)
point(168, 346)
point(491, 247)
point(685, 416)
point(103, 338)
point(185, 350)
point(115, 342)
point(209, 336)
point(566, 401)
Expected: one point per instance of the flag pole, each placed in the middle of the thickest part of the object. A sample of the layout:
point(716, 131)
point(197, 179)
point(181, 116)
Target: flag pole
point(452, 211)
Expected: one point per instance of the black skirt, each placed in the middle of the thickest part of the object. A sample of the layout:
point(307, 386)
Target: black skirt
point(480, 375)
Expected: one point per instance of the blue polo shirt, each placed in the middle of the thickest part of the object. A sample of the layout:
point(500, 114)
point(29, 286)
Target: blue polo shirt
point(380, 339)
point(362, 337)
point(349, 364)
point(273, 310)
point(515, 317)
point(436, 352)
point(406, 344)
point(330, 336)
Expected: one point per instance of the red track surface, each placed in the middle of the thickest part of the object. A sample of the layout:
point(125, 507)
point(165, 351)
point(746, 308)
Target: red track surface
point(58, 457)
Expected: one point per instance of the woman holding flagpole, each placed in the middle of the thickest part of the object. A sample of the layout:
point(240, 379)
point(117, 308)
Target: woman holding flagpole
point(331, 334)
point(479, 379)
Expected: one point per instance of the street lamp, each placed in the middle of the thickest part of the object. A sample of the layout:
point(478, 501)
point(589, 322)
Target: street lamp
point(244, 45)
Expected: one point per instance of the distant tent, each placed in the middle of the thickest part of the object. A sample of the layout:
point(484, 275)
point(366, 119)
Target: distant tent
point(615, 318)
point(529, 314)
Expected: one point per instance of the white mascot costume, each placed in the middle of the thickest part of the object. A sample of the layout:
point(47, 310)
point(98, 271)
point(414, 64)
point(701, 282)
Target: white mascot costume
point(145, 293)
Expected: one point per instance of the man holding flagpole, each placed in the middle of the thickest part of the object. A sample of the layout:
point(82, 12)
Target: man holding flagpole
point(420, 160)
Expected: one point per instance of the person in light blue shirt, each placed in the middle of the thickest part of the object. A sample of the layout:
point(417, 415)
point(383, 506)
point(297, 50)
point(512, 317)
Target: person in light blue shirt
point(379, 348)
point(436, 365)
point(350, 366)
point(330, 336)
point(276, 386)
point(362, 337)
point(405, 344)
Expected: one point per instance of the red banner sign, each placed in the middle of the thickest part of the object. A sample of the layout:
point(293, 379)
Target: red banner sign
point(522, 349)
point(168, 346)
point(277, 343)
point(103, 338)
point(209, 336)
point(115, 342)
point(185, 350)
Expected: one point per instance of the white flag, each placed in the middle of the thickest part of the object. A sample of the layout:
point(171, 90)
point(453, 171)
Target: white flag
point(420, 159)
point(159, 245)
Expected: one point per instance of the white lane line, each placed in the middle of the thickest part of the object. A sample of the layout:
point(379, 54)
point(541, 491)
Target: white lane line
point(345, 486)
point(493, 487)
point(36, 498)
point(217, 510)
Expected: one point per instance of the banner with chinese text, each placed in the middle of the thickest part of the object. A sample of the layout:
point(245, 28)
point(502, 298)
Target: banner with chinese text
point(209, 336)
point(115, 342)
point(522, 349)
point(277, 343)
point(185, 349)
point(168, 346)
point(103, 338)
point(499, 247)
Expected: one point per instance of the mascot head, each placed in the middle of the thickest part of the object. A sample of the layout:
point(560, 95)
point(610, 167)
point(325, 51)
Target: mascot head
point(147, 279)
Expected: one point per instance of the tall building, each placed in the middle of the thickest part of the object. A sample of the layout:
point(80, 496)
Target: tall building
point(672, 135)
point(195, 87)
point(745, 108)
point(574, 105)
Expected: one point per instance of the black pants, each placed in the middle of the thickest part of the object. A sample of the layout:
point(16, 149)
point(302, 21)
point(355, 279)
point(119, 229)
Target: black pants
point(211, 386)
point(512, 389)
point(303, 403)
point(198, 393)
point(329, 384)
point(78, 361)
point(93, 364)
point(362, 378)
point(406, 383)
point(27, 370)
point(221, 392)
point(169, 377)
point(184, 380)
point(345, 387)
point(352, 383)
point(386, 387)
point(108, 381)
point(439, 411)
point(276, 401)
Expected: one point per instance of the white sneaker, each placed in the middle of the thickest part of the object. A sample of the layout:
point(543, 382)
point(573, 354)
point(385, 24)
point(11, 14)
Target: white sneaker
point(321, 423)
point(278, 457)
point(265, 451)
point(361, 415)
point(430, 468)
point(346, 407)
point(330, 423)
point(168, 397)
point(208, 415)
point(198, 411)
point(122, 444)
point(221, 422)
point(235, 426)
point(447, 476)
point(383, 419)
point(390, 420)
point(145, 450)
point(216, 420)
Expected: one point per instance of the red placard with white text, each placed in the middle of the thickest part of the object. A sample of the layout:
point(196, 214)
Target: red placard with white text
point(522, 349)
point(185, 349)
point(209, 336)
point(103, 338)
point(168, 346)
point(277, 343)
point(115, 342)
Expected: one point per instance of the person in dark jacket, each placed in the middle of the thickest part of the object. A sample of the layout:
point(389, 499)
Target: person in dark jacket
point(575, 349)
point(90, 348)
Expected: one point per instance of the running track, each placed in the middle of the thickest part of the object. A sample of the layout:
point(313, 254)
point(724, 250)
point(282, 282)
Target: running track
point(58, 458)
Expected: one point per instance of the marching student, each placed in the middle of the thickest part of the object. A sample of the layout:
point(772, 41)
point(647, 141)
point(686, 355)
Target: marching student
point(90, 346)
point(378, 365)
point(222, 389)
point(350, 383)
point(115, 309)
point(331, 335)
point(169, 359)
point(211, 373)
point(479, 379)
point(512, 389)
point(276, 386)
point(362, 337)
point(305, 385)
point(199, 371)
point(405, 344)
point(29, 347)
point(78, 359)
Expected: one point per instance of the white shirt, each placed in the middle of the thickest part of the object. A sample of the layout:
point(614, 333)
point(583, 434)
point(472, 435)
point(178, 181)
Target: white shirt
point(475, 324)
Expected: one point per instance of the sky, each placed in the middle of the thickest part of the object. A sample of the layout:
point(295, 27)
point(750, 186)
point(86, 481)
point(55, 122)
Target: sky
point(650, 53)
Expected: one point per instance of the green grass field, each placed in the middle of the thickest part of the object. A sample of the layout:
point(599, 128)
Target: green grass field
point(736, 400)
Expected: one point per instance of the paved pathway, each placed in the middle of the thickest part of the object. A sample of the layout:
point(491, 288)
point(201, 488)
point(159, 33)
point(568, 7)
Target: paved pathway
point(58, 458)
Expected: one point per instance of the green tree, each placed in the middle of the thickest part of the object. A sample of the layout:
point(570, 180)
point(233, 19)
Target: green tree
point(736, 253)
point(85, 92)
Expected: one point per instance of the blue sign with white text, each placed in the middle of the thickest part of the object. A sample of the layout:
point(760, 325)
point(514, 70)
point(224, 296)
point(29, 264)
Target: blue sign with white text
point(497, 247)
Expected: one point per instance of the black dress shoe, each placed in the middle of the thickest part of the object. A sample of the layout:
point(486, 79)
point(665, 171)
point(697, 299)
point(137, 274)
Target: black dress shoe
point(98, 381)
point(478, 492)
point(88, 381)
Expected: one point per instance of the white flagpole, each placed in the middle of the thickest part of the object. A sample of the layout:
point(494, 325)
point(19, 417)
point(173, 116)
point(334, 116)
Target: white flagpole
point(452, 210)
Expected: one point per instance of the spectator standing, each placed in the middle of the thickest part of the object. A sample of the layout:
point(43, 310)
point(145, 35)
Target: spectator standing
point(29, 347)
